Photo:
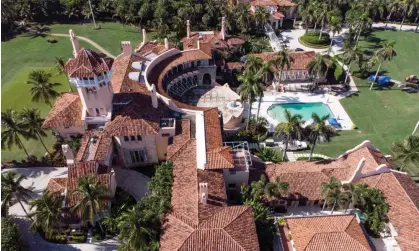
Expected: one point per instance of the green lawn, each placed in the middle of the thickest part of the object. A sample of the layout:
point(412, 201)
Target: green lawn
point(387, 115)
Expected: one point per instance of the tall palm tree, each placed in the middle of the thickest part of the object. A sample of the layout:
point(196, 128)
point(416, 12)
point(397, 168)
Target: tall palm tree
point(42, 89)
point(319, 66)
point(386, 52)
point(358, 19)
point(253, 64)
point(48, 212)
point(32, 120)
point(251, 86)
point(349, 56)
point(134, 229)
point(354, 194)
point(13, 129)
point(12, 189)
point(282, 59)
point(261, 16)
point(408, 6)
point(334, 24)
point(335, 197)
point(276, 188)
point(407, 152)
point(322, 14)
point(393, 6)
point(59, 66)
point(328, 188)
point(319, 127)
point(308, 14)
point(290, 128)
point(92, 195)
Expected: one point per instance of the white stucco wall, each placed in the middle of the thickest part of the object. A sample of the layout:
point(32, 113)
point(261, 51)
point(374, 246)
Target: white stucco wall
point(147, 144)
point(67, 132)
point(239, 178)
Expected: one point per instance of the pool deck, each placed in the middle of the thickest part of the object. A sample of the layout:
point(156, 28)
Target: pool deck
point(271, 98)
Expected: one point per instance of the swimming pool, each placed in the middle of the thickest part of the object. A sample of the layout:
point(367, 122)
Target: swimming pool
point(276, 111)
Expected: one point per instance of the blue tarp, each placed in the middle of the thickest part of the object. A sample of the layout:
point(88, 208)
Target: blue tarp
point(380, 80)
point(333, 122)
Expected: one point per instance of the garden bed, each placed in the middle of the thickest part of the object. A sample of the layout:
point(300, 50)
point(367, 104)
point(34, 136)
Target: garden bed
point(311, 39)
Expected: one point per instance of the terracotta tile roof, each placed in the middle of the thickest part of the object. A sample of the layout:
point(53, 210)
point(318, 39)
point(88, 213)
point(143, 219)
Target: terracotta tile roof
point(278, 15)
point(183, 134)
point(99, 150)
point(218, 156)
point(301, 58)
point(157, 74)
point(210, 40)
point(283, 3)
point(66, 112)
point(120, 80)
point(235, 65)
point(57, 185)
point(321, 233)
point(150, 47)
point(138, 117)
point(401, 193)
point(88, 64)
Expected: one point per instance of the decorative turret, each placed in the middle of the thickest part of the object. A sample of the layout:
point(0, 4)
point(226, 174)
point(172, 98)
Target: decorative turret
point(188, 29)
point(75, 42)
point(126, 48)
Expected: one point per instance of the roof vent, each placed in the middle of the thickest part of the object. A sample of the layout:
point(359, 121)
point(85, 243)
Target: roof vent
point(203, 191)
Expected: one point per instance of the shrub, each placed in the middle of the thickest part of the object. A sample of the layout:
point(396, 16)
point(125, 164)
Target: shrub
point(354, 127)
point(312, 159)
point(338, 72)
point(52, 40)
point(78, 239)
point(269, 154)
point(281, 222)
point(11, 240)
point(313, 38)
point(289, 236)
point(60, 238)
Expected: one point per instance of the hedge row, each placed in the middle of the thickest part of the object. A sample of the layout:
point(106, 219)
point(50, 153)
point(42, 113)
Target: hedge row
point(314, 46)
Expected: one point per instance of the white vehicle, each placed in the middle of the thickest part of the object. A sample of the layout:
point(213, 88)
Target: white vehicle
point(294, 145)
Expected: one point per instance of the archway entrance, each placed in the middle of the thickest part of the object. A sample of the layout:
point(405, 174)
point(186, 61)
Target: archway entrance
point(207, 79)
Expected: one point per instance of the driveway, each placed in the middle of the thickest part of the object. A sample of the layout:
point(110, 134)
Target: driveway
point(131, 181)
point(37, 180)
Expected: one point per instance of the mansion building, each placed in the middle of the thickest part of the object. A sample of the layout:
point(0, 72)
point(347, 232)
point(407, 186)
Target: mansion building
point(131, 113)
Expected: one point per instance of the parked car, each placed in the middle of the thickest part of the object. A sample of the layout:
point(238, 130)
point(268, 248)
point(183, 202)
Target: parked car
point(299, 49)
point(294, 145)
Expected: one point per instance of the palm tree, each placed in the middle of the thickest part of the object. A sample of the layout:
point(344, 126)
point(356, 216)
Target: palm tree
point(253, 64)
point(291, 128)
point(282, 59)
point(335, 197)
point(358, 19)
point(319, 66)
point(33, 121)
point(354, 194)
point(13, 129)
point(42, 89)
point(48, 212)
point(276, 189)
point(407, 152)
point(322, 13)
point(349, 56)
point(91, 11)
point(92, 195)
point(250, 87)
point(393, 6)
point(244, 19)
point(408, 6)
point(328, 189)
point(59, 66)
point(319, 127)
point(386, 52)
point(261, 16)
point(12, 189)
point(335, 25)
point(134, 229)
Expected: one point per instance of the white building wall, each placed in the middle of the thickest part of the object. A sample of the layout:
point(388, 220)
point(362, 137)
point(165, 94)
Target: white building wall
point(67, 132)
point(147, 144)
point(235, 177)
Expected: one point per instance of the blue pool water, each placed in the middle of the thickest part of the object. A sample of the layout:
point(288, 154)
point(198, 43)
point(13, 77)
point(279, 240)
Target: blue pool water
point(276, 111)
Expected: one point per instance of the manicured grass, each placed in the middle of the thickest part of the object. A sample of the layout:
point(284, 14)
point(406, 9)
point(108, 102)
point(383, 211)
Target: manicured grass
point(17, 96)
point(383, 116)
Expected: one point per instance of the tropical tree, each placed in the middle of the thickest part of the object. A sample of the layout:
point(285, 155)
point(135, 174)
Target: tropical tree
point(47, 212)
point(322, 13)
point(92, 196)
point(135, 231)
point(12, 189)
point(276, 189)
point(407, 152)
point(290, 128)
point(354, 194)
point(376, 208)
point(349, 56)
point(319, 127)
point(251, 86)
point(282, 59)
point(42, 89)
point(261, 16)
point(11, 239)
point(12, 130)
point(335, 197)
point(59, 66)
point(334, 25)
point(243, 17)
point(319, 66)
point(408, 6)
point(393, 6)
point(329, 191)
point(32, 120)
point(253, 63)
point(385, 53)
point(358, 20)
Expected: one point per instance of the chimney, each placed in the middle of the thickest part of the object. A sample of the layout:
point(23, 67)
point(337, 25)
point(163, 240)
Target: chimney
point(126, 48)
point(203, 192)
point(154, 96)
point(68, 153)
point(223, 28)
point(166, 43)
point(144, 37)
point(75, 43)
point(188, 29)
point(198, 45)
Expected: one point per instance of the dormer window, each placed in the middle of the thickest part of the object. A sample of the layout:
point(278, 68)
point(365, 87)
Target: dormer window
point(139, 138)
point(132, 138)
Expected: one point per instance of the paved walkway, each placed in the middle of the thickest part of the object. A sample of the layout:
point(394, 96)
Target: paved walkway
point(100, 48)
point(395, 26)
point(131, 181)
